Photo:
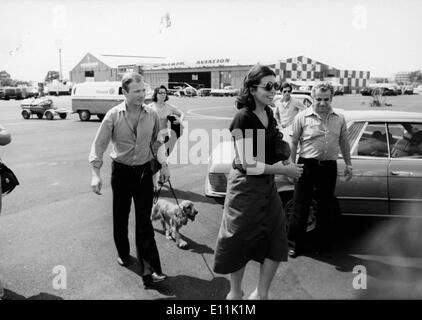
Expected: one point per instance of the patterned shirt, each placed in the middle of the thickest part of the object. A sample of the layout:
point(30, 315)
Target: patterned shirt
point(321, 139)
point(129, 147)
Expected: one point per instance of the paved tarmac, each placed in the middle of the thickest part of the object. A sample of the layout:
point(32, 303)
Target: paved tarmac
point(56, 235)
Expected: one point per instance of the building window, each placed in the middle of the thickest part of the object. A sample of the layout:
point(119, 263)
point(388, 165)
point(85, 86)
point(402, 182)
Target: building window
point(89, 74)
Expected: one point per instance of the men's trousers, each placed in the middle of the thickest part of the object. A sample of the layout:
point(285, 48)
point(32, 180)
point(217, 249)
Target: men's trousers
point(134, 182)
point(318, 180)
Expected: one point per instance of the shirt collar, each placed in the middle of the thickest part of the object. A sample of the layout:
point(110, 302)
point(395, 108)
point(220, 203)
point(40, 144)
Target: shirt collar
point(310, 111)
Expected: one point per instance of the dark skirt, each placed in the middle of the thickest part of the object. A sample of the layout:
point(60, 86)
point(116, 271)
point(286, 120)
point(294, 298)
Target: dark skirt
point(253, 225)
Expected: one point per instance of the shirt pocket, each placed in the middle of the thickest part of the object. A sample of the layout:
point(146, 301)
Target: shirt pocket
point(312, 130)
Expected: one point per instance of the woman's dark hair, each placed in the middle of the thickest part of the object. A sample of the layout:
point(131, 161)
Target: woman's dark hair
point(253, 78)
point(286, 85)
point(154, 96)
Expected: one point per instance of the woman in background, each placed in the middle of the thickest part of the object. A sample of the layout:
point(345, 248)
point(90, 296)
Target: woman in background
point(164, 110)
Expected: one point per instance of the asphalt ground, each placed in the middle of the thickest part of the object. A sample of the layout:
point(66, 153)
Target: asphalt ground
point(53, 227)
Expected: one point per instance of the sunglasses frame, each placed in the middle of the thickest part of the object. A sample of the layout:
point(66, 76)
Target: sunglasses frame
point(275, 85)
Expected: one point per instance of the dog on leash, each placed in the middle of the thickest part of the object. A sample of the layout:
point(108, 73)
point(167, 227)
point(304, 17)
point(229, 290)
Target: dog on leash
point(173, 217)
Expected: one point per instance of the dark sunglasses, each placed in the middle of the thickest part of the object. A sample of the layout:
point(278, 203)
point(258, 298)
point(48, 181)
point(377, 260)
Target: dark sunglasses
point(270, 85)
point(287, 91)
point(162, 92)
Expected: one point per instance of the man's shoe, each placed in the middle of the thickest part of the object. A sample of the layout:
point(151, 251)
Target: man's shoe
point(152, 278)
point(292, 253)
point(158, 277)
point(123, 262)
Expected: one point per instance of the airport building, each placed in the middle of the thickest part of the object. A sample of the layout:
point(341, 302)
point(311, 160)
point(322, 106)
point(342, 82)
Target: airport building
point(214, 73)
point(402, 77)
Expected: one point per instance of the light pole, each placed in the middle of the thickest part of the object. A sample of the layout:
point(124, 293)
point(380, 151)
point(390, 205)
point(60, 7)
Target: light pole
point(59, 44)
point(60, 57)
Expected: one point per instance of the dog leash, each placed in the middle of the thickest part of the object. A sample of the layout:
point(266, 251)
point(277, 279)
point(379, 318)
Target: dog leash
point(157, 194)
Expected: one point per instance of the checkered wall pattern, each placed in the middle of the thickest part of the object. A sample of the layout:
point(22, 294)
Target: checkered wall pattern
point(353, 78)
point(303, 68)
point(300, 68)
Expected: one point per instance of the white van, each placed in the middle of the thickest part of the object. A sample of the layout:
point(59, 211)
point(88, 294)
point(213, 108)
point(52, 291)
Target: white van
point(96, 98)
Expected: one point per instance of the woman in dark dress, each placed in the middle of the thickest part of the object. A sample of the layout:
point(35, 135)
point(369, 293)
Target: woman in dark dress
point(253, 225)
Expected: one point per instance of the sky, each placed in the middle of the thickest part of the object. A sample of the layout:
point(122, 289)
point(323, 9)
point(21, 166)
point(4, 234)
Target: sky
point(381, 36)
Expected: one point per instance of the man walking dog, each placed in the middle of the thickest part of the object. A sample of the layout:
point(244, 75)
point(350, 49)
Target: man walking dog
point(131, 127)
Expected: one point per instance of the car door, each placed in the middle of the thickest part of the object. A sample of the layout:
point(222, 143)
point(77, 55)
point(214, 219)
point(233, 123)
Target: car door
point(367, 192)
point(405, 169)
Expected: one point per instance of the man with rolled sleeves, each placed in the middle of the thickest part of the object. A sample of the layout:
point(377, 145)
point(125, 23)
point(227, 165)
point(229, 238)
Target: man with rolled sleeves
point(131, 127)
point(322, 133)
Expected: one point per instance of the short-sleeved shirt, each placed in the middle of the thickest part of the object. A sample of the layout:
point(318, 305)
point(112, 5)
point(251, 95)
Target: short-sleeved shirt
point(286, 111)
point(249, 125)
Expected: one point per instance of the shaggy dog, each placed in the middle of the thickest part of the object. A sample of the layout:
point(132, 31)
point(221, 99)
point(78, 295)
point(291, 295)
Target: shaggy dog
point(172, 218)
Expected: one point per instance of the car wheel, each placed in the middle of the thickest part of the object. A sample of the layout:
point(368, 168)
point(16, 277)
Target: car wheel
point(49, 115)
point(63, 115)
point(84, 115)
point(39, 115)
point(289, 207)
point(26, 114)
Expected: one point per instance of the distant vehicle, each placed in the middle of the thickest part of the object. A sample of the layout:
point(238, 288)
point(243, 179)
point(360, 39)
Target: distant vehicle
point(418, 90)
point(408, 90)
point(96, 98)
point(204, 92)
point(183, 89)
point(56, 88)
point(305, 98)
point(338, 91)
point(16, 93)
point(366, 91)
point(228, 91)
point(389, 92)
point(42, 107)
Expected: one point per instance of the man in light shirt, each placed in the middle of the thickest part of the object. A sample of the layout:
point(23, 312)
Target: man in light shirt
point(287, 107)
point(132, 128)
point(322, 133)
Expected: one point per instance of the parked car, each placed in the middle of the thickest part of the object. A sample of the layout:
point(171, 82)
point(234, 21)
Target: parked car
point(386, 149)
point(16, 93)
point(366, 91)
point(389, 91)
point(408, 90)
point(204, 92)
point(302, 97)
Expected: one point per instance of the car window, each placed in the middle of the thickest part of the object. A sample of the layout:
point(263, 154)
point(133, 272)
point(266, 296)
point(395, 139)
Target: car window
point(373, 141)
point(306, 102)
point(406, 140)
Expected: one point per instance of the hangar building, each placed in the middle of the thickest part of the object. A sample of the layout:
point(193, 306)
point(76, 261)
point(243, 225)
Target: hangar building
point(214, 73)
